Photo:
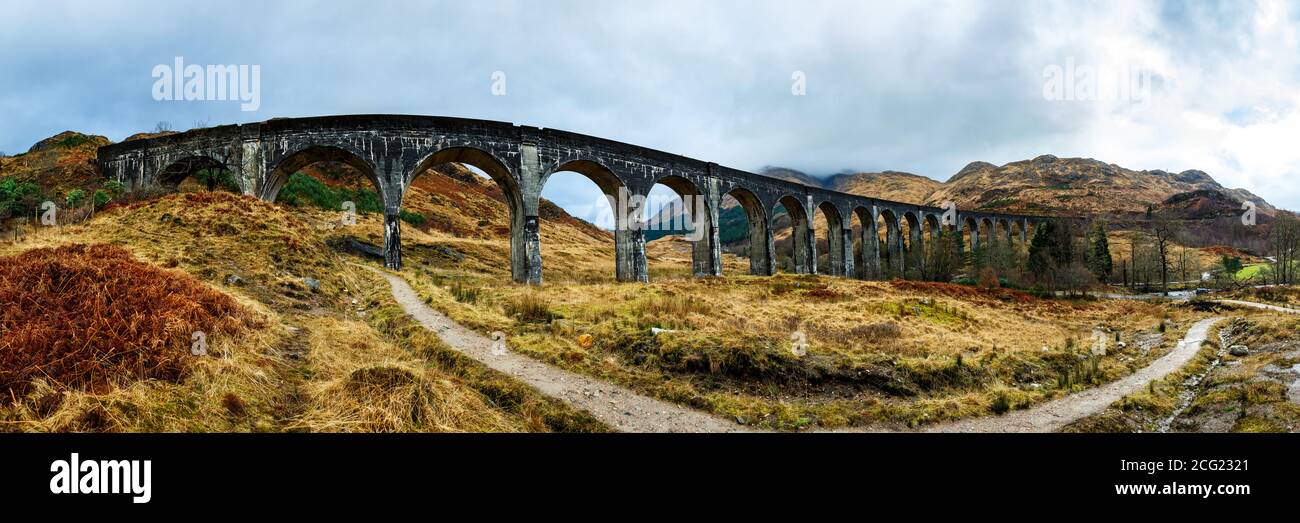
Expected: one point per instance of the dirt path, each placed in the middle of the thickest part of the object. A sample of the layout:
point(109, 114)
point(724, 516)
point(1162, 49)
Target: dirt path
point(1264, 306)
point(613, 405)
point(1051, 416)
point(627, 411)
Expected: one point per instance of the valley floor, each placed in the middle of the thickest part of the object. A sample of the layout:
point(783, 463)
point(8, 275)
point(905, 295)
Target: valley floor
point(789, 352)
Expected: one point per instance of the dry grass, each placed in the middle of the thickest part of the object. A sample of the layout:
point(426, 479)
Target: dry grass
point(360, 383)
point(878, 352)
point(1218, 392)
point(343, 358)
point(93, 317)
point(325, 360)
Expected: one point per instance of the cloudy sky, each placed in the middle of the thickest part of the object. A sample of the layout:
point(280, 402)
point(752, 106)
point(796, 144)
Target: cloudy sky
point(924, 87)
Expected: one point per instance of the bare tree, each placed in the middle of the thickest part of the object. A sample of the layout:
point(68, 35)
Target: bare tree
point(1163, 232)
point(1285, 240)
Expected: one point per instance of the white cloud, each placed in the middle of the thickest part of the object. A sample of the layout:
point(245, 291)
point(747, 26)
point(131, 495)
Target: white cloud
point(918, 86)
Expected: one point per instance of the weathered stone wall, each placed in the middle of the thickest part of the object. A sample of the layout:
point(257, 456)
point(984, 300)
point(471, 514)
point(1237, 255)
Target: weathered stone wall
point(392, 150)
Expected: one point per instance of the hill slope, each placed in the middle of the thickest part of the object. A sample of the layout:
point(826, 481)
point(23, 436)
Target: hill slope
point(1083, 186)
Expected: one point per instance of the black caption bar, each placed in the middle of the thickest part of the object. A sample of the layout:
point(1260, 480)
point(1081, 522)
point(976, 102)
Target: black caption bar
point(307, 473)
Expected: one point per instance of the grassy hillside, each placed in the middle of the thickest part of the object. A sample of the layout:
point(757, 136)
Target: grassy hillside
point(1087, 187)
point(334, 353)
point(888, 185)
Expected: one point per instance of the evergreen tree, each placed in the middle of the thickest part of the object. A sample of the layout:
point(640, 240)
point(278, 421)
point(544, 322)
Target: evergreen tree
point(1040, 250)
point(1100, 261)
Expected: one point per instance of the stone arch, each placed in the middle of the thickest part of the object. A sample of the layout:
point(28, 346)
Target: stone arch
point(760, 237)
point(986, 233)
point(971, 228)
point(177, 170)
point(629, 237)
point(1003, 232)
point(498, 172)
point(292, 162)
point(604, 177)
point(834, 239)
point(805, 256)
point(1017, 231)
point(931, 227)
point(706, 256)
point(891, 242)
point(866, 255)
point(914, 244)
point(483, 160)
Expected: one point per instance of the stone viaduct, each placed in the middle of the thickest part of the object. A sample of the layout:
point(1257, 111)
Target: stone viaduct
point(392, 150)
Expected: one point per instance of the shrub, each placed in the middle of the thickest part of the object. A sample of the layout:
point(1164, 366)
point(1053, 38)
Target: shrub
point(412, 218)
point(17, 198)
point(119, 319)
point(75, 197)
point(302, 189)
point(114, 187)
point(465, 293)
point(1001, 403)
point(101, 198)
point(73, 141)
point(529, 307)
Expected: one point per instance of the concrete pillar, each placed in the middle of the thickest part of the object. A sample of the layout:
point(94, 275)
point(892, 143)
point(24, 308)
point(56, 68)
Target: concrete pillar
point(762, 250)
point(846, 251)
point(894, 244)
point(805, 248)
point(629, 254)
point(956, 229)
point(392, 241)
point(707, 255)
point(629, 239)
point(252, 168)
point(392, 186)
point(916, 249)
point(526, 250)
point(525, 231)
point(834, 249)
point(869, 266)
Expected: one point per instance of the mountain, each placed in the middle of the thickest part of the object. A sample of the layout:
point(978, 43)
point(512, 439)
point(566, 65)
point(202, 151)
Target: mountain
point(888, 185)
point(1087, 187)
point(792, 175)
point(1043, 185)
point(1047, 185)
point(58, 164)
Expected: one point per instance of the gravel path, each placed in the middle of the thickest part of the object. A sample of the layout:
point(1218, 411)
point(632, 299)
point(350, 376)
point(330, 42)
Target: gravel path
point(627, 411)
point(1264, 306)
point(613, 405)
point(1053, 415)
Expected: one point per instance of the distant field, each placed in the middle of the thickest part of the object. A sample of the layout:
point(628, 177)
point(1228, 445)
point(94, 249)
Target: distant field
point(1249, 271)
point(877, 353)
